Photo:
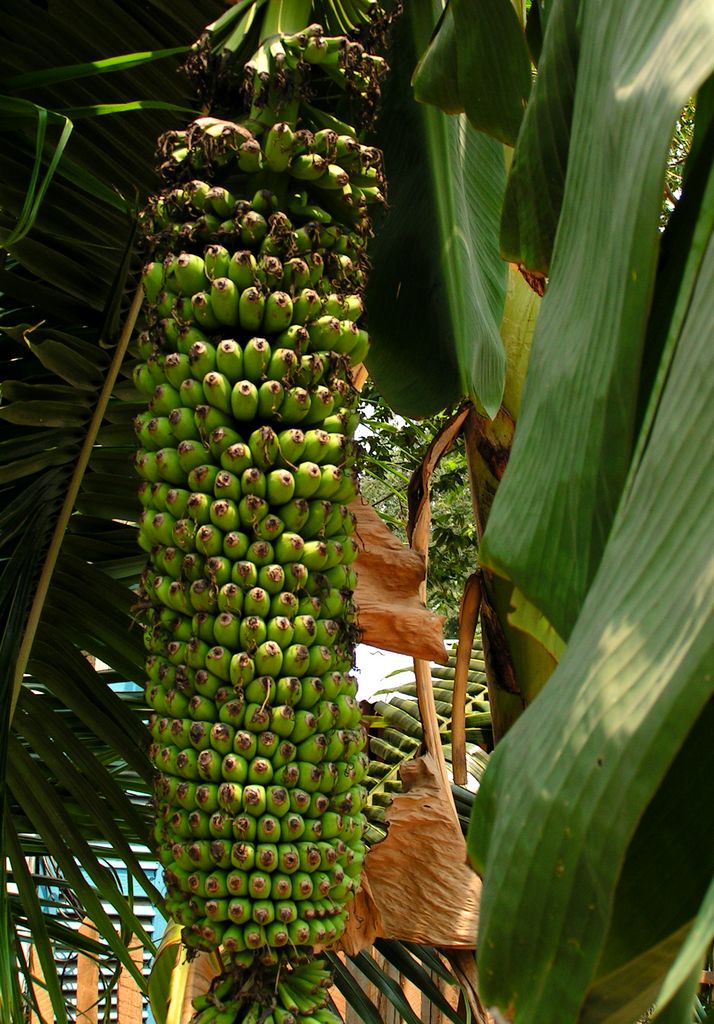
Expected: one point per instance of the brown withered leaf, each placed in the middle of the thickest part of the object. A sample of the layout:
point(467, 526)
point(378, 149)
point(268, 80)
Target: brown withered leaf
point(417, 885)
point(391, 614)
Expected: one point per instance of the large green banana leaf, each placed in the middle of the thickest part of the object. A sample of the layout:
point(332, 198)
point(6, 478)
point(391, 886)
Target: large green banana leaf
point(595, 841)
point(462, 70)
point(534, 192)
point(588, 828)
point(578, 423)
point(603, 520)
point(436, 294)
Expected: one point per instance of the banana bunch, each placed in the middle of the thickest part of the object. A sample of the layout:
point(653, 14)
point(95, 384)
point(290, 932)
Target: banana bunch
point(327, 178)
point(268, 992)
point(315, 48)
point(247, 464)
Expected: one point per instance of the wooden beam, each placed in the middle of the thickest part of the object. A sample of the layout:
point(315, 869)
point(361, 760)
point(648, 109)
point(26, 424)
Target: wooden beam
point(87, 980)
point(130, 1001)
point(388, 1012)
point(44, 1003)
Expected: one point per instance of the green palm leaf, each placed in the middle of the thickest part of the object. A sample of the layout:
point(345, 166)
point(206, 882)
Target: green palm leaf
point(71, 234)
point(96, 734)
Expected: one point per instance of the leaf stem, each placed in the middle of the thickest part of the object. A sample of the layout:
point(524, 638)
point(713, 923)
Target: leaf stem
point(468, 619)
point(286, 17)
point(50, 562)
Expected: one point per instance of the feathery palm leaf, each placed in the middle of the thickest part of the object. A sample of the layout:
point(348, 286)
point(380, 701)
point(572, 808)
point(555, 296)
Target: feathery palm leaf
point(398, 735)
point(73, 747)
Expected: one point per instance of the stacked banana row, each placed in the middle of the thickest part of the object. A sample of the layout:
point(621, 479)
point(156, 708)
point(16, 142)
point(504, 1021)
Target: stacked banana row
point(319, 186)
point(274, 994)
point(247, 464)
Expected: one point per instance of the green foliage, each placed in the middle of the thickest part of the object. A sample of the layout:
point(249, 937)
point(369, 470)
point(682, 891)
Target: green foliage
point(436, 294)
point(601, 520)
point(551, 534)
point(678, 153)
point(602, 492)
point(67, 214)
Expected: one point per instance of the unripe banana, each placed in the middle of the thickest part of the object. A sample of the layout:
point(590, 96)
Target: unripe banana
point(247, 467)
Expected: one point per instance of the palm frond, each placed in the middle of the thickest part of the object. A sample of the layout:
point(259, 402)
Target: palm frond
point(399, 735)
point(73, 754)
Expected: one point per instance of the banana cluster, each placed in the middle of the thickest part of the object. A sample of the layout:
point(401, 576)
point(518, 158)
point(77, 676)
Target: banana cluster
point(247, 460)
point(273, 994)
point(327, 182)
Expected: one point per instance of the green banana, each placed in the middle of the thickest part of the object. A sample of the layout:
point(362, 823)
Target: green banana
point(256, 732)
